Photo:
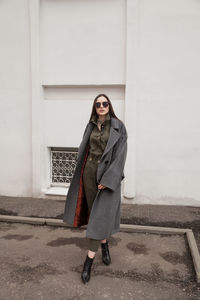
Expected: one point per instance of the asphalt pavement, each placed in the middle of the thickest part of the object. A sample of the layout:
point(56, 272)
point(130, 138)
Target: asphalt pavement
point(45, 262)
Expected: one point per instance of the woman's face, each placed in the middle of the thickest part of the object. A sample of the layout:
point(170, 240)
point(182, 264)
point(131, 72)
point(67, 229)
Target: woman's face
point(104, 108)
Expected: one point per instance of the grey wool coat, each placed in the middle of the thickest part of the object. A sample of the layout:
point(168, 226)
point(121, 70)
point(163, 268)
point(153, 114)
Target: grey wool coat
point(104, 219)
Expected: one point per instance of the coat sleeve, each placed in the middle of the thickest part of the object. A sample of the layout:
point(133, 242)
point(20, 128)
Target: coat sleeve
point(114, 174)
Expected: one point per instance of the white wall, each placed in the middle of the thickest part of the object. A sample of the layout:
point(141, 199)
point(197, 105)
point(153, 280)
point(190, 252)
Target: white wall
point(82, 42)
point(15, 102)
point(67, 111)
point(82, 54)
point(168, 143)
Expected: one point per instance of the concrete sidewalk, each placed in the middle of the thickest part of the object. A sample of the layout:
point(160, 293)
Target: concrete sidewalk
point(149, 215)
point(144, 214)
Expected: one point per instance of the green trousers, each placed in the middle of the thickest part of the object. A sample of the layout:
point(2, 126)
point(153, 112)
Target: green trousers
point(91, 188)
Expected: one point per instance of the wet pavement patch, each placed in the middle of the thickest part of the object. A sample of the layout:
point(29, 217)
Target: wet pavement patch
point(7, 227)
point(82, 243)
point(7, 212)
point(77, 241)
point(174, 257)
point(23, 274)
point(18, 237)
point(137, 248)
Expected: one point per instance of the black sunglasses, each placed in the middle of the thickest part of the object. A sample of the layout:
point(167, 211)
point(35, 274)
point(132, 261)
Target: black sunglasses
point(98, 104)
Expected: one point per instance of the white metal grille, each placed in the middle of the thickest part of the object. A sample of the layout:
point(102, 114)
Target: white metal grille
point(63, 163)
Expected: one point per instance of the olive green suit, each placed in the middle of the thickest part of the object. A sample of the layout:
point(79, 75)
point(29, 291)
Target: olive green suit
point(98, 141)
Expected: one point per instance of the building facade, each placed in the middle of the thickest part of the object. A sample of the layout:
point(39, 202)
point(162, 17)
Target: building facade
point(57, 55)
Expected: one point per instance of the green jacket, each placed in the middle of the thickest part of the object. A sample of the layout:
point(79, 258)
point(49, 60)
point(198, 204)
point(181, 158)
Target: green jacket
point(99, 138)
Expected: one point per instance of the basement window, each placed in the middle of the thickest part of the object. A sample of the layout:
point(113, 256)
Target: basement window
point(63, 163)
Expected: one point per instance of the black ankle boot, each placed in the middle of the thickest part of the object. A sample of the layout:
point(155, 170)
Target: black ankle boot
point(85, 276)
point(105, 253)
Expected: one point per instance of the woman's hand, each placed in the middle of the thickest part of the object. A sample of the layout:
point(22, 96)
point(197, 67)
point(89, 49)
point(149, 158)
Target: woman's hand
point(101, 187)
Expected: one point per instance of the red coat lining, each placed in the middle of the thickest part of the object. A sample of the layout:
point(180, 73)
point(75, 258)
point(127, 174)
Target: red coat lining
point(81, 214)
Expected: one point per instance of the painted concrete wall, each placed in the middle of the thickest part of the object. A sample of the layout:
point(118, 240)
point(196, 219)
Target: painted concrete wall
point(82, 42)
point(77, 62)
point(168, 123)
point(15, 101)
point(57, 55)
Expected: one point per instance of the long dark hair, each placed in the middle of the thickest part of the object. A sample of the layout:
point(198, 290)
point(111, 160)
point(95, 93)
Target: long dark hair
point(111, 110)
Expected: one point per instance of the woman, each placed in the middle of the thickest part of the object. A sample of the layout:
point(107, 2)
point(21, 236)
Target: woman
point(94, 194)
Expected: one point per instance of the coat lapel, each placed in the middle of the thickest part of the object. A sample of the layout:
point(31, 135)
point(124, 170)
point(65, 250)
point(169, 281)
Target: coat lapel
point(113, 136)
